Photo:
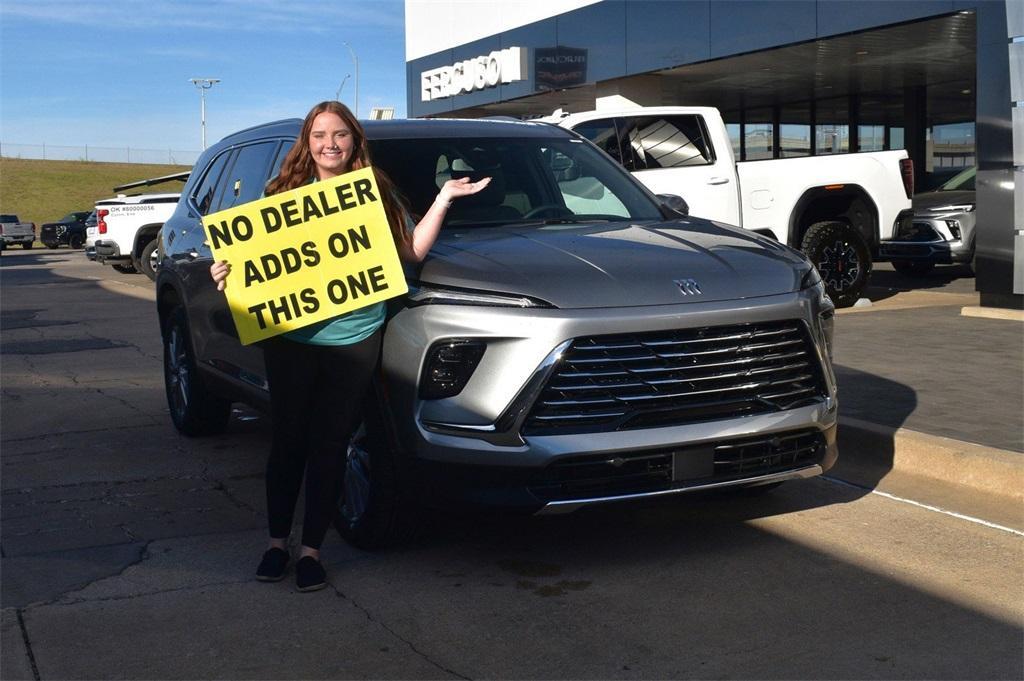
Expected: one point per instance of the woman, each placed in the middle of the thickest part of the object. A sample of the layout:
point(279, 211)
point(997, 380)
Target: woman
point(319, 374)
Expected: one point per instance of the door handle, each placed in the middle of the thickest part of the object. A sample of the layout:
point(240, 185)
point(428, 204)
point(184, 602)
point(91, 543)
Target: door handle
point(719, 180)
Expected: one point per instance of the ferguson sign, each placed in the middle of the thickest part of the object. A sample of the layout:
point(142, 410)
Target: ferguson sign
point(500, 66)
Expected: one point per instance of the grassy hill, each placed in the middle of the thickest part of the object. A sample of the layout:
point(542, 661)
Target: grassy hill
point(44, 191)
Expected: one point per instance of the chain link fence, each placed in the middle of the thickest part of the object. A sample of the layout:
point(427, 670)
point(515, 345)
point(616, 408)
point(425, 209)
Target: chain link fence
point(50, 152)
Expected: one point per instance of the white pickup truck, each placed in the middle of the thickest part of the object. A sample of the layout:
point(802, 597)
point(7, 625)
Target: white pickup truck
point(834, 208)
point(125, 234)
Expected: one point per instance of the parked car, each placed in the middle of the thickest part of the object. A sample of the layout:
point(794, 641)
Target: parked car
point(569, 340)
point(14, 231)
point(69, 230)
point(942, 231)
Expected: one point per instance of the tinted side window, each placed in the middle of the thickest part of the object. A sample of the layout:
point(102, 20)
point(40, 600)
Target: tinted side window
point(286, 146)
point(248, 174)
point(205, 190)
point(602, 133)
point(667, 141)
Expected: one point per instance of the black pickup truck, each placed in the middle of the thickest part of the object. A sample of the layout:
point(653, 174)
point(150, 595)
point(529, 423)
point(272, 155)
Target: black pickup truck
point(69, 230)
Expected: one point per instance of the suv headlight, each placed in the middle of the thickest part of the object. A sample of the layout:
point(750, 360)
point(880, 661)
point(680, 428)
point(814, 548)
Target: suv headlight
point(420, 294)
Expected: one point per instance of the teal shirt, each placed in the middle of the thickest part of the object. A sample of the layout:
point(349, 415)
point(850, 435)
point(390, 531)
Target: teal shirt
point(348, 328)
point(345, 329)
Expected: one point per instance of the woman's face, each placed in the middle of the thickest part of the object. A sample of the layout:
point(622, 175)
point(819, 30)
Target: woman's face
point(331, 145)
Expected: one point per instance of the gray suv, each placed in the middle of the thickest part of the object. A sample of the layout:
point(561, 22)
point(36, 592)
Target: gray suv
point(569, 340)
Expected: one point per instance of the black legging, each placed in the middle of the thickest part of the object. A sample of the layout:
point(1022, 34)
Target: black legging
point(315, 395)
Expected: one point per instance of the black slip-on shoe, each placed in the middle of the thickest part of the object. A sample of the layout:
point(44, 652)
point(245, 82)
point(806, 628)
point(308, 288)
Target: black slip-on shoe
point(273, 565)
point(309, 574)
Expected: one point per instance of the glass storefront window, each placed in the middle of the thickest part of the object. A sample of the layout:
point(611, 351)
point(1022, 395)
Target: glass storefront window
point(871, 137)
point(832, 132)
point(795, 130)
point(757, 135)
point(832, 139)
point(896, 138)
point(953, 145)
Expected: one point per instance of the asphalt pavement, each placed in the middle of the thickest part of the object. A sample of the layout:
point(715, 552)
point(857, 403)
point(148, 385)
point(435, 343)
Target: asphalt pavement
point(127, 550)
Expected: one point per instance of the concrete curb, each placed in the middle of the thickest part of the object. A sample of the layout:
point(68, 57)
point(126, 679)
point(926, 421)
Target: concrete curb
point(992, 313)
point(983, 469)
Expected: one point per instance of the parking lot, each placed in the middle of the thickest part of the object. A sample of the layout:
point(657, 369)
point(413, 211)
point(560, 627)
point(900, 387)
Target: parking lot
point(128, 551)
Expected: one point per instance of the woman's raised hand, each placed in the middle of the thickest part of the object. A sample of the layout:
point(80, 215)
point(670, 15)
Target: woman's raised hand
point(219, 271)
point(453, 189)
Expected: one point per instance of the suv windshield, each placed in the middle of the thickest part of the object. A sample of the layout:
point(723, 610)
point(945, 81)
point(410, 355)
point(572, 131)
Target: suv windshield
point(961, 181)
point(534, 180)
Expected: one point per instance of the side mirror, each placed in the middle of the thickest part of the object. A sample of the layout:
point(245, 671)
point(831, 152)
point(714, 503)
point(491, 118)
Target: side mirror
point(675, 203)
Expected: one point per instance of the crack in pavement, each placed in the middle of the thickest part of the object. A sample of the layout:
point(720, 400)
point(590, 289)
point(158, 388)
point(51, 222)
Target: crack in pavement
point(65, 433)
point(391, 631)
point(156, 592)
point(235, 501)
point(144, 555)
point(28, 645)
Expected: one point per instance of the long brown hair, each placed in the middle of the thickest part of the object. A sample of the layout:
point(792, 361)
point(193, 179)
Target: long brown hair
point(298, 166)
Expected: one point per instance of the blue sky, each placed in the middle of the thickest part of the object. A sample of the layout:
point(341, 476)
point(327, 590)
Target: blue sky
point(116, 73)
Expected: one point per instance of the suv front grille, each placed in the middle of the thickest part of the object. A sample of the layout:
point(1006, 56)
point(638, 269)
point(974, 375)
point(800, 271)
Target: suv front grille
point(666, 378)
point(597, 475)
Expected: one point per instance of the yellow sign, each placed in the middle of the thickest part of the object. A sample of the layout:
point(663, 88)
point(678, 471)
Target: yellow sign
point(306, 255)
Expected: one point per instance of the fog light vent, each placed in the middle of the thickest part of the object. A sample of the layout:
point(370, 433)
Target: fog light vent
point(448, 367)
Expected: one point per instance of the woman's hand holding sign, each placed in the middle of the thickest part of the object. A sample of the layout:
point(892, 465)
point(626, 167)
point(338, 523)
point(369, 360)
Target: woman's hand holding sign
point(219, 271)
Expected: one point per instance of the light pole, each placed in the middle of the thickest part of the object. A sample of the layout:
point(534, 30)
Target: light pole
point(203, 84)
point(356, 62)
point(337, 95)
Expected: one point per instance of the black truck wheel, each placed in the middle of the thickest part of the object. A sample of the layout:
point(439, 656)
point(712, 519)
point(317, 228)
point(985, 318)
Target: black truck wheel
point(147, 260)
point(76, 241)
point(194, 410)
point(842, 257)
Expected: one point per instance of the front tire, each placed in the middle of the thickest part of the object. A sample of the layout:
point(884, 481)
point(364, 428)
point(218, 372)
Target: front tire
point(372, 511)
point(194, 410)
point(842, 257)
point(147, 260)
point(76, 241)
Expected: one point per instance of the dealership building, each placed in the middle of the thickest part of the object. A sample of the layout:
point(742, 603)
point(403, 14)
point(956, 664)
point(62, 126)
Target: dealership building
point(943, 79)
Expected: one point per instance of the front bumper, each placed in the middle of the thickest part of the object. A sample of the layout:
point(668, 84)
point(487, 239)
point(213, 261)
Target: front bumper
point(472, 447)
point(942, 239)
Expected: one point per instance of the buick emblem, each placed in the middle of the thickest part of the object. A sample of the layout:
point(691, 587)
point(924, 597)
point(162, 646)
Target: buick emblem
point(688, 287)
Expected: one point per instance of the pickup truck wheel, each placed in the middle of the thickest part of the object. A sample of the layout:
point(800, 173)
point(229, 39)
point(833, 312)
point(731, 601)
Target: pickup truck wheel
point(842, 257)
point(76, 241)
point(27, 244)
point(51, 245)
point(194, 410)
point(371, 512)
point(147, 260)
point(913, 268)
point(124, 268)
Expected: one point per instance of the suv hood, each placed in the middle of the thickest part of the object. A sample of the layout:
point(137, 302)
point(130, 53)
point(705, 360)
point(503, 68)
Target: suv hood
point(928, 202)
point(614, 264)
